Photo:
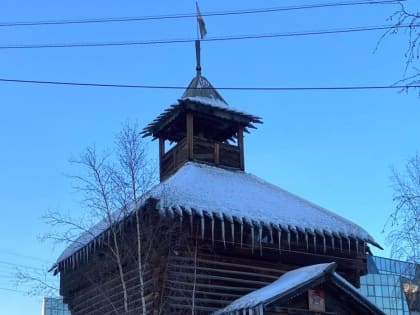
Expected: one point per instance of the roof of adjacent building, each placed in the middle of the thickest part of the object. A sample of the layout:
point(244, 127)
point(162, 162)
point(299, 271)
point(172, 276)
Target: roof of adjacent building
point(291, 282)
point(234, 195)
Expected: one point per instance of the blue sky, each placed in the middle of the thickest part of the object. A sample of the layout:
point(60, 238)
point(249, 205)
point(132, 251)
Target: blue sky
point(335, 148)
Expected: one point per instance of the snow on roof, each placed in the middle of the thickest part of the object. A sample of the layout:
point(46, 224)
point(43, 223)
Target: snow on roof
point(207, 101)
point(244, 196)
point(235, 195)
point(289, 281)
point(202, 88)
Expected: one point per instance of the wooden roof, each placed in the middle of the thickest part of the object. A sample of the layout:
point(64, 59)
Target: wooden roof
point(294, 283)
point(203, 191)
point(203, 99)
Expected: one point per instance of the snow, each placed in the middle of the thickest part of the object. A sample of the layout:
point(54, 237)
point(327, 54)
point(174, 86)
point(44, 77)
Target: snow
point(289, 281)
point(207, 101)
point(246, 197)
point(233, 195)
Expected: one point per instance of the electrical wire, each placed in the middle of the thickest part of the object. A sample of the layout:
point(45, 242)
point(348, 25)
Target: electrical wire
point(193, 15)
point(211, 39)
point(13, 290)
point(172, 87)
point(7, 263)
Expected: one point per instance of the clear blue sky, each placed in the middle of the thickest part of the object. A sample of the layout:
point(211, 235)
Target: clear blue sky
point(333, 148)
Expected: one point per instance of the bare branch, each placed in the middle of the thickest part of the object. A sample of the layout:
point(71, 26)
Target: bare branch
point(404, 222)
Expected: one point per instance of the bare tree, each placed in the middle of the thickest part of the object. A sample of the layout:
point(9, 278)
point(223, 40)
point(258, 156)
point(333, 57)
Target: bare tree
point(404, 222)
point(406, 21)
point(111, 186)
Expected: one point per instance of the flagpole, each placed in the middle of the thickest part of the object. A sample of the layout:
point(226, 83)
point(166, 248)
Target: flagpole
point(198, 26)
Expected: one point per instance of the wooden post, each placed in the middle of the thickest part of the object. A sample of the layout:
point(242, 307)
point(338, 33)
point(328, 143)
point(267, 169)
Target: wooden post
point(241, 148)
point(190, 135)
point(216, 153)
point(161, 153)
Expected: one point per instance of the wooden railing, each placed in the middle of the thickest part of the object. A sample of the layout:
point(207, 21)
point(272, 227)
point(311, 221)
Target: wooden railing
point(173, 159)
point(216, 153)
point(204, 150)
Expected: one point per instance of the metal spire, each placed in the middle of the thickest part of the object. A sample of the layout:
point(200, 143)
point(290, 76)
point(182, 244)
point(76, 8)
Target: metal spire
point(198, 57)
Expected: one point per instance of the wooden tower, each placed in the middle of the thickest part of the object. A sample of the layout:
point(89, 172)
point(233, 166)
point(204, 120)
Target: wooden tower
point(215, 233)
point(202, 127)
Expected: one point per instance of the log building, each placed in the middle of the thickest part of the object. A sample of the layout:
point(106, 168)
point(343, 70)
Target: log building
point(213, 232)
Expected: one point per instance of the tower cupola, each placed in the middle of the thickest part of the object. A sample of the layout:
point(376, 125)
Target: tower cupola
point(202, 127)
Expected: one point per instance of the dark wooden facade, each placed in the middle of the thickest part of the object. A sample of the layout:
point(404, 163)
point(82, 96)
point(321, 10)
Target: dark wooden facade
point(186, 268)
point(197, 262)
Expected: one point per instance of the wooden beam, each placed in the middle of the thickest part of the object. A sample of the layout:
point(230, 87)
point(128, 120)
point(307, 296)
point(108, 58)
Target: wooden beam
point(216, 154)
point(190, 135)
point(161, 153)
point(241, 148)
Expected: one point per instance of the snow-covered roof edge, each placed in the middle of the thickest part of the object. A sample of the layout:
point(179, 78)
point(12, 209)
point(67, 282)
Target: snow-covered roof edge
point(293, 281)
point(82, 245)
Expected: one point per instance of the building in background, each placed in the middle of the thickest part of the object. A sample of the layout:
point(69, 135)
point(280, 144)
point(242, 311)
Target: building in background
point(392, 285)
point(54, 306)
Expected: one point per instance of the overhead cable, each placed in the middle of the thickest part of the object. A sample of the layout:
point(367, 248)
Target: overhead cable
point(193, 15)
point(211, 39)
point(173, 87)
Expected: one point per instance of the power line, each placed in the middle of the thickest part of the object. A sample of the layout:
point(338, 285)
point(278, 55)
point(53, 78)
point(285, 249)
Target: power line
point(172, 87)
point(19, 265)
point(193, 15)
point(211, 39)
point(13, 290)
point(9, 253)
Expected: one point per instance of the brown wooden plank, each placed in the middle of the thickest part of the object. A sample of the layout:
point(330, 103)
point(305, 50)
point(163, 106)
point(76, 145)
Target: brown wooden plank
point(190, 135)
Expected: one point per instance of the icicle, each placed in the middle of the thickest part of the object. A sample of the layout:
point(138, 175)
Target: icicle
point(306, 241)
point(232, 230)
point(223, 232)
point(252, 237)
point(202, 226)
point(169, 212)
point(364, 247)
point(288, 238)
point(357, 246)
point(270, 229)
point(242, 232)
point(192, 222)
point(212, 229)
point(332, 241)
point(341, 244)
point(297, 236)
point(314, 241)
point(251, 311)
point(279, 235)
point(260, 309)
point(260, 230)
point(178, 210)
point(160, 208)
point(348, 240)
point(324, 240)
